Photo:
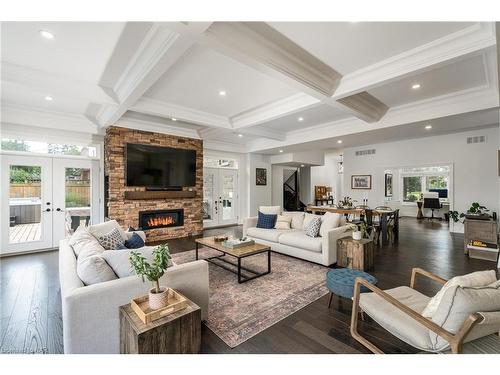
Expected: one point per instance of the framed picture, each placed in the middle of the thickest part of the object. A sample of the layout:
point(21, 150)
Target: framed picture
point(361, 181)
point(388, 184)
point(260, 176)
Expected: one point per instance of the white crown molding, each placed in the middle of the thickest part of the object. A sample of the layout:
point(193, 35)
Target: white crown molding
point(133, 123)
point(471, 100)
point(274, 110)
point(470, 40)
point(262, 43)
point(264, 133)
point(160, 108)
point(214, 145)
point(22, 115)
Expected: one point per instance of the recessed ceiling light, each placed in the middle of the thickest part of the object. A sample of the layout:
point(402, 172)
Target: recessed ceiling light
point(281, 150)
point(416, 86)
point(339, 141)
point(49, 98)
point(46, 34)
point(240, 135)
point(222, 93)
point(300, 119)
point(174, 119)
point(302, 165)
point(428, 127)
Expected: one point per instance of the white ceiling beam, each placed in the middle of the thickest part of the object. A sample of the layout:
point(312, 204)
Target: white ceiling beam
point(218, 133)
point(365, 106)
point(159, 50)
point(128, 121)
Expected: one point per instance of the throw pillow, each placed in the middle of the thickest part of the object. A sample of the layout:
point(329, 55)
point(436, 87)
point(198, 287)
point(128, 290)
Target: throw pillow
point(134, 242)
point(307, 220)
point(329, 221)
point(82, 241)
point(479, 278)
point(120, 263)
point(283, 222)
point(313, 228)
point(101, 229)
point(94, 270)
point(268, 210)
point(266, 221)
point(297, 219)
point(112, 240)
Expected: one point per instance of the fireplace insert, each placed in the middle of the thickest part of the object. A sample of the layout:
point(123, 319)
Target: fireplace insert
point(161, 219)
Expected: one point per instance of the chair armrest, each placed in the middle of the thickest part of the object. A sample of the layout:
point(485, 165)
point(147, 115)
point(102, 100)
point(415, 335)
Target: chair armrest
point(455, 340)
point(430, 275)
point(249, 222)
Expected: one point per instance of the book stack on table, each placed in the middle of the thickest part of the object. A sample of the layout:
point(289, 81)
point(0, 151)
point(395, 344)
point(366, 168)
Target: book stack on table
point(236, 243)
point(483, 250)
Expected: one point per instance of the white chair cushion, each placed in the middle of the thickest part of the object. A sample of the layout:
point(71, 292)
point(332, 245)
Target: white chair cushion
point(270, 235)
point(458, 303)
point(307, 220)
point(283, 222)
point(329, 221)
point(83, 241)
point(270, 210)
point(297, 218)
point(301, 240)
point(99, 230)
point(479, 278)
point(394, 320)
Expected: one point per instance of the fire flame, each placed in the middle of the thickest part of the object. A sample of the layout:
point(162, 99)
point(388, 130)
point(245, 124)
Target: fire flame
point(159, 221)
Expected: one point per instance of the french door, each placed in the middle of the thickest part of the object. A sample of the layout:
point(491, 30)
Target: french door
point(45, 199)
point(220, 197)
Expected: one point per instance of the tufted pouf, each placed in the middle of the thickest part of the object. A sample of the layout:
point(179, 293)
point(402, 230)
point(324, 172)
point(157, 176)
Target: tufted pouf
point(340, 281)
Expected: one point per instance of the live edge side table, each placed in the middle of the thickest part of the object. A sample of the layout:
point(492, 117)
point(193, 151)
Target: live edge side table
point(177, 333)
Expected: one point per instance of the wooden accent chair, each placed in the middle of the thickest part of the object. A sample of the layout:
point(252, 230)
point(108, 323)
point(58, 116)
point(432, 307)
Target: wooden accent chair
point(399, 310)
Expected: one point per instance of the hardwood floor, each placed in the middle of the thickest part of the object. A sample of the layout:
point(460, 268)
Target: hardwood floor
point(31, 304)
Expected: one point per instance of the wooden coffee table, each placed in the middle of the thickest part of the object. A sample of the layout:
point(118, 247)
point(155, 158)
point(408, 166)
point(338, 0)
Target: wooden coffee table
point(239, 254)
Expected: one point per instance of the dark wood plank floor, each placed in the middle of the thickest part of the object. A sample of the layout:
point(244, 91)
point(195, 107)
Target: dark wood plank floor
point(31, 304)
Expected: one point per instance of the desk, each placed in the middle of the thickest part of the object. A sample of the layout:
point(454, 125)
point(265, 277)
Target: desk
point(384, 214)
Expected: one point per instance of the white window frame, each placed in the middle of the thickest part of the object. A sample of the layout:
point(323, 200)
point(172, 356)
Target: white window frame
point(423, 176)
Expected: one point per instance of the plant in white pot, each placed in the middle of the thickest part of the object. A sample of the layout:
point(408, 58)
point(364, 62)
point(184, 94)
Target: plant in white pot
point(158, 296)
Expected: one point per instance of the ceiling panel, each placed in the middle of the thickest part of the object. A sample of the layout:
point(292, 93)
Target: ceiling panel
point(312, 116)
point(349, 46)
point(461, 75)
point(79, 49)
point(196, 79)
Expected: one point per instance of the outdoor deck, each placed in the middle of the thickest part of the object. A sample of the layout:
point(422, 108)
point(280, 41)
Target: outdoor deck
point(24, 233)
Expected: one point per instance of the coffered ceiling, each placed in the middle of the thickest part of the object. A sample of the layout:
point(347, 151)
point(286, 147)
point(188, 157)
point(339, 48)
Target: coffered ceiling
point(249, 87)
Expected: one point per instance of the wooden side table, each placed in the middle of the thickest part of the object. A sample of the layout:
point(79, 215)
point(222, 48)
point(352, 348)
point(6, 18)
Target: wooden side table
point(355, 254)
point(177, 333)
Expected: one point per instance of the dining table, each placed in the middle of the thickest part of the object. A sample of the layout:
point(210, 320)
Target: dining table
point(384, 215)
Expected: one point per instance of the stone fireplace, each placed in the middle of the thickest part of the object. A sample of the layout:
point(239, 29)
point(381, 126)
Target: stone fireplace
point(181, 212)
point(161, 219)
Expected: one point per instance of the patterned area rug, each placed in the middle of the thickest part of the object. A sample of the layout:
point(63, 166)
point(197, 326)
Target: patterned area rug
point(238, 312)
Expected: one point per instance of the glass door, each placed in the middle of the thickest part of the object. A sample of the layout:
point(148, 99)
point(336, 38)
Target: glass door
point(228, 193)
point(27, 203)
point(210, 198)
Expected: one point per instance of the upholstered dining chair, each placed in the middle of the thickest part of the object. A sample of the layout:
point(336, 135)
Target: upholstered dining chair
point(463, 314)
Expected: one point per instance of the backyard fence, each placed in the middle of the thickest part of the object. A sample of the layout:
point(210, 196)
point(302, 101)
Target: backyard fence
point(77, 192)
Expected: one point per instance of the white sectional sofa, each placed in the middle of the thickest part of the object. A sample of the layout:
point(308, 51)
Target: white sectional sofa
point(294, 241)
point(90, 312)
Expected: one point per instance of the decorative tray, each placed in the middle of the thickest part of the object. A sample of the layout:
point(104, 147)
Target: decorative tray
point(140, 305)
point(235, 244)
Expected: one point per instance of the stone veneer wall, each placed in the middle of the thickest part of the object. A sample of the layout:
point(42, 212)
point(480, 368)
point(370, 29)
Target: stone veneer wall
point(126, 212)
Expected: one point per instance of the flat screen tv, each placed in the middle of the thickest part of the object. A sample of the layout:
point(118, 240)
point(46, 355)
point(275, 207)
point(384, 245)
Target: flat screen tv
point(160, 167)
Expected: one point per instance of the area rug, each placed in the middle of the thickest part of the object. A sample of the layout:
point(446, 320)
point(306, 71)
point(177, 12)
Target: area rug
point(238, 312)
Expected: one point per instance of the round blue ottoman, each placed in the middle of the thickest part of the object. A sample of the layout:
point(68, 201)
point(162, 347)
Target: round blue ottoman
point(340, 281)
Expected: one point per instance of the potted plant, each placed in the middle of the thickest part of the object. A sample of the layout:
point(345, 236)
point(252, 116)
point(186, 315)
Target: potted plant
point(158, 296)
point(356, 233)
point(476, 210)
point(346, 202)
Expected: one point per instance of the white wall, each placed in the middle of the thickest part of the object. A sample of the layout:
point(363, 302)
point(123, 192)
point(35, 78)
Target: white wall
point(258, 195)
point(475, 175)
point(306, 196)
point(278, 179)
point(327, 175)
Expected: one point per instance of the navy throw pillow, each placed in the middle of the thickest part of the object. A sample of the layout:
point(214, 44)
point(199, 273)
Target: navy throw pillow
point(134, 242)
point(266, 221)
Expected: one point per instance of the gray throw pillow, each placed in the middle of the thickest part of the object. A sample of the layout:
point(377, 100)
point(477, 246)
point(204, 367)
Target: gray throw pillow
point(112, 240)
point(314, 227)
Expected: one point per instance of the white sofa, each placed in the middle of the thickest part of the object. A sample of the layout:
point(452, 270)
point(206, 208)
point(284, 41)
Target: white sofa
point(295, 242)
point(90, 313)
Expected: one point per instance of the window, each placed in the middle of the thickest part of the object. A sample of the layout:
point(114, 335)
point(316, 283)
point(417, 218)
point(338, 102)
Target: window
point(48, 148)
point(418, 180)
point(220, 163)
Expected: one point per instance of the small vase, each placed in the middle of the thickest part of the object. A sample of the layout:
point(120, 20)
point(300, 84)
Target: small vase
point(356, 235)
point(158, 300)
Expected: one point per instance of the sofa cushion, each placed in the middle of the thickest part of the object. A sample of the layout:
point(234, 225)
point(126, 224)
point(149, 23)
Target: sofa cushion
point(479, 278)
point(283, 222)
point(101, 229)
point(394, 320)
point(93, 270)
point(112, 240)
point(329, 221)
point(266, 221)
point(301, 240)
point(83, 241)
point(313, 228)
point(270, 235)
point(119, 261)
point(276, 210)
point(297, 218)
point(134, 242)
point(307, 220)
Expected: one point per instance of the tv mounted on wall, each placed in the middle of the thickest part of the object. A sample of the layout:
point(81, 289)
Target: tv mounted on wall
point(159, 167)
